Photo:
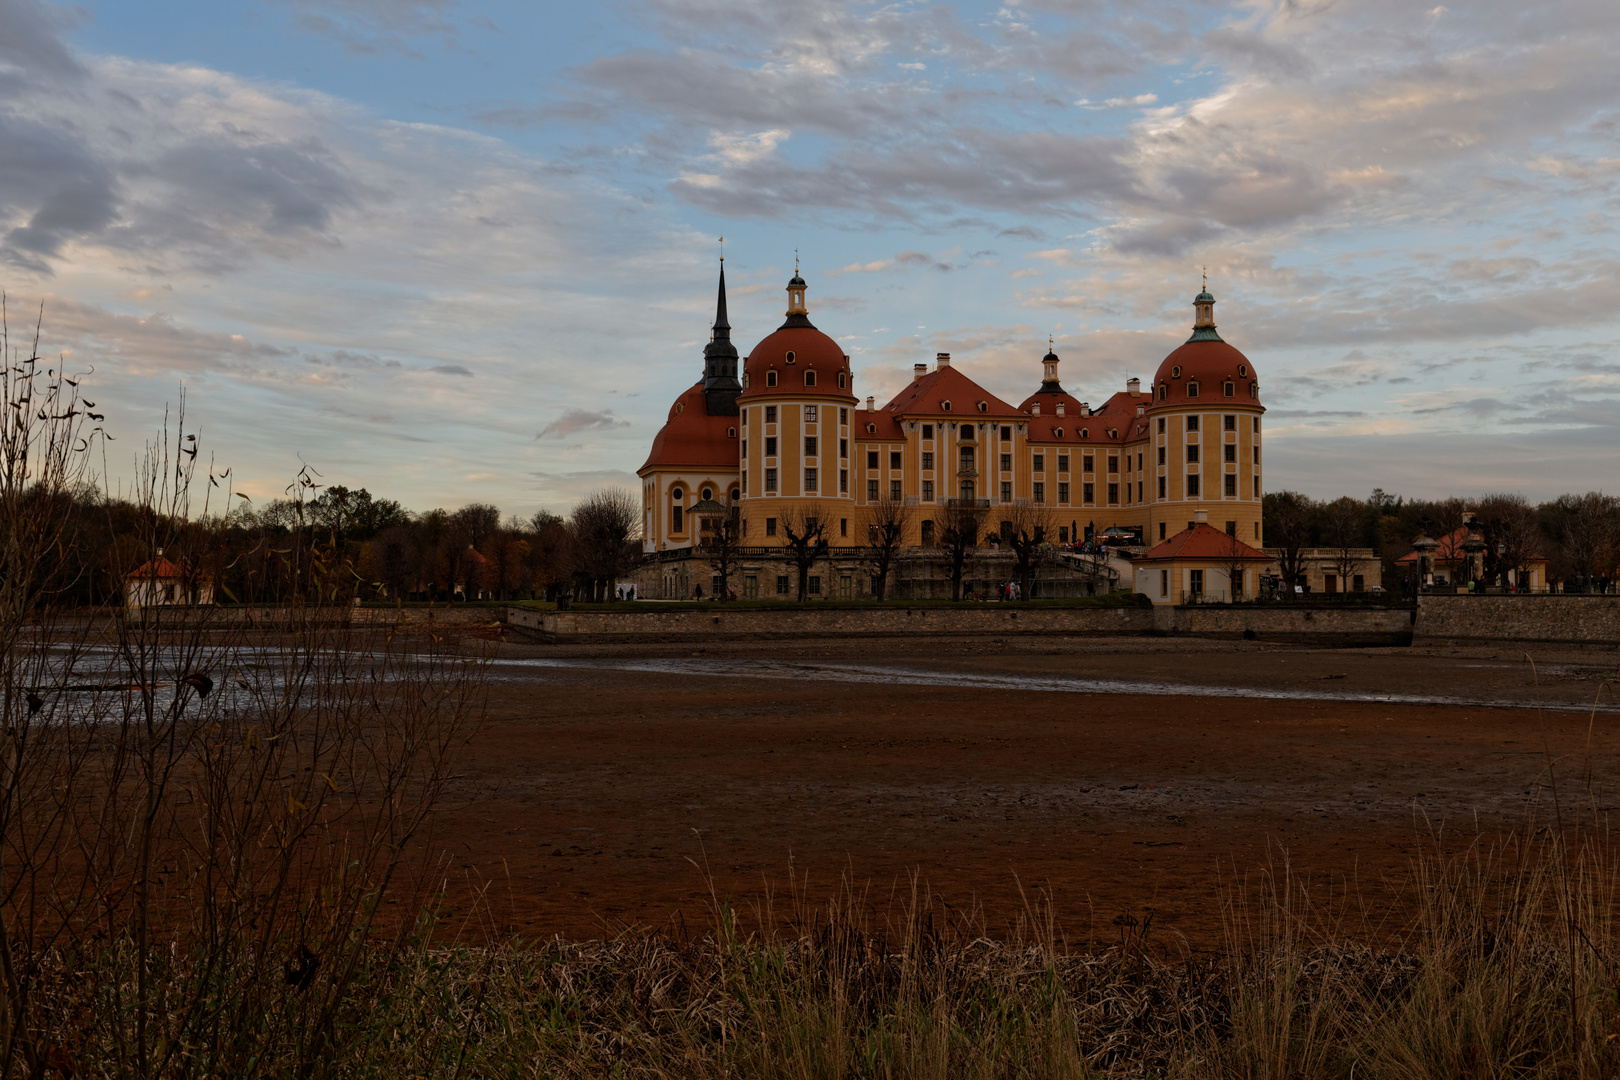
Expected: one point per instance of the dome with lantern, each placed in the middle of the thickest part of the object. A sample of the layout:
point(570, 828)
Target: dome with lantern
point(796, 359)
point(1205, 368)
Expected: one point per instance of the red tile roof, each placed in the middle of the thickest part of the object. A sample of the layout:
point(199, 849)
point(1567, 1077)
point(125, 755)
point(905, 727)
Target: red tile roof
point(1450, 549)
point(158, 569)
point(924, 397)
point(691, 438)
point(1203, 541)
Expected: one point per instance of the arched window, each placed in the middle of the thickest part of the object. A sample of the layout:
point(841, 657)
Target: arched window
point(842, 376)
point(770, 378)
point(1085, 433)
point(745, 380)
point(1226, 388)
point(1254, 390)
point(984, 406)
point(731, 432)
point(1164, 391)
point(809, 378)
point(871, 429)
point(677, 520)
point(792, 359)
point(734, 494)
point(1192, 389)
point(1058, 432)
point(945, 406)
point(708, 493)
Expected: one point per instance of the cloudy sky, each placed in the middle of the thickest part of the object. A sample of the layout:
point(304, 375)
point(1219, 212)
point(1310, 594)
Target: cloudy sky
point(464, 250)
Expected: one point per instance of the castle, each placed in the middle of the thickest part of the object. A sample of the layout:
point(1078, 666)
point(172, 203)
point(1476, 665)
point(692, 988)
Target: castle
point(790, 442)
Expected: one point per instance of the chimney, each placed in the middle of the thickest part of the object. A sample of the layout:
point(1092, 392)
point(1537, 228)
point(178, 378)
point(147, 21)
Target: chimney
point(1085, 409)
point(869, 405)
point(1133, 386)
point(1201, 517)
point(1141, 410)
point(918, 371)
point(942, 361)
point(1060, 408)
point(1035, 409)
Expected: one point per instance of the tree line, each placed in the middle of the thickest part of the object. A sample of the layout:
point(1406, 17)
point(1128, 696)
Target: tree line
point(1578, 534)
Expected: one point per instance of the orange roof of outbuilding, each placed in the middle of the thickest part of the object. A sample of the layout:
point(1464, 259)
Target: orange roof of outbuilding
point(691, 438)
point(1202, 541)
point(158, 569)
point(1450, 549)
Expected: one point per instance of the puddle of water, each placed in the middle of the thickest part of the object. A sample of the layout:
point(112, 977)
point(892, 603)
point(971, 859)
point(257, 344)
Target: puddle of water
point(866, 673)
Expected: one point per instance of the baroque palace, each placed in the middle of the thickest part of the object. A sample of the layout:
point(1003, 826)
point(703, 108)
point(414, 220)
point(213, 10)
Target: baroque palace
point(1173, 465)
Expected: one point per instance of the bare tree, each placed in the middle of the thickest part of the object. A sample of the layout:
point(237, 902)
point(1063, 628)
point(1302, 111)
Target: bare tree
point(1342, 527)
point(888, 520)
point(721, 542)
point(1027, 530)
point(1512, 537)
point(1236, 558)
point(1288, 527)
point(1587, 528)
point(805, 537)
point(605, 526)
point(959, 538)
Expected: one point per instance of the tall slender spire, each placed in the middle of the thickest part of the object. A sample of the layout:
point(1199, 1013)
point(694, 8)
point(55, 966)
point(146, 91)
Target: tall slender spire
point(720, 385)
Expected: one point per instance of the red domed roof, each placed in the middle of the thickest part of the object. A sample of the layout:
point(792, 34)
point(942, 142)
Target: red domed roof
point(1209, 363)
point(691, 438)
point(811, 350)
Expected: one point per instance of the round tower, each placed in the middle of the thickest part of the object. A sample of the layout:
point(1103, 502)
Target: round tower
point(797, 392)
point(1204, 430)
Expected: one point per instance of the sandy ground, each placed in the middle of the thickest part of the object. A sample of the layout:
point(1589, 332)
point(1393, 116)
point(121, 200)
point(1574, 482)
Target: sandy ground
point(616, 786)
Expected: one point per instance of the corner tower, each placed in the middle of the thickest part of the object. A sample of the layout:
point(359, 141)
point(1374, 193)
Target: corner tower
point(797, 392)
point(1204, 434)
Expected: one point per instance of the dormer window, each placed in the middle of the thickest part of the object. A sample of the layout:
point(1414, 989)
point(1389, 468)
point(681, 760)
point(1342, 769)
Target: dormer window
point(1113, 433)
point(1254, 390)
point(680, 406)
point(809, 378)
point(731, 432)
point(984, 406)
point(1164, 391)
point(843, 377)
point(791, 358)
point(770, 377)
point(945, 406)
point(1085, 433)
point(1057, 432)
point(1175, 372)
point(1227, 389)
point(871, 429)
point(1192, 389)
point(745, 380)
point(1243, 371)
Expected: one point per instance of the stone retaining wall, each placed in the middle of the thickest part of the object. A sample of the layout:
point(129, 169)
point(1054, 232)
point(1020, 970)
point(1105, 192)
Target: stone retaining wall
point(1345, 626)
point(1575, 619)
point(271, 617)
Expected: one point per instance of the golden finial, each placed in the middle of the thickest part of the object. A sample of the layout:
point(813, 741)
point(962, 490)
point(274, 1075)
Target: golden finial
point(795, 261)
point(1206, 279)
point(722, 249)
point(1049, 342)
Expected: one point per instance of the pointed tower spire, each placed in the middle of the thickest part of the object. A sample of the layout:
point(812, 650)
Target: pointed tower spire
point(720, 385)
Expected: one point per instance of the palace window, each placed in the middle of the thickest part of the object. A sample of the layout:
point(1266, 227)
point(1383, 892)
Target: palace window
point(841, 377)
point(1113, 464)
point(1161, 425)
point(1161, 493)
point(1192, 485)
point(928, 431)
point(677, 521)
point(809, 378)
point(1113, 494)
point(1254, 390)
point(809, 479)
point(1231, 485)
point(843, 414)
point(1006, 462)
point(781, 584)
point(871, 459)
point(815, 584)
point(1063, 463)
point(1256, 450)
point(1164, 391)
point(745, 451)
point(1231, 451)
point(1086, 493)
point(928, 459)
point(843, 481)
point(895, 491)
point(871, 491)
point(966, 457)
point(734, 494)
point(708, 493)
point(1006, 433)
point(1039, 464)
point(770, 446)
point(809, 446)
point(1175, 372)
point(843, 526)
point(894, 459)
point(1161, 533)
point(770, 378)
point(770, 414)
point(1006, 493)
point(1231, 529)
point(1038, 493)
point(809, 414)
point(770, 526)
point(1085, 433)
point(770, 479)
point(928, 491)
point(731, 432)
point(1063, 493)
point(843, 448)
point(1229, 422)
point(984, 406)
point(1192, 451)
point(1192, 423)
point(1243, 371)
point(928, 533)
point(1086, 463)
